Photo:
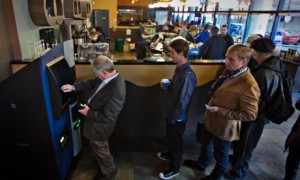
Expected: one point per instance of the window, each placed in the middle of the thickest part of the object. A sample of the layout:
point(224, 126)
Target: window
point(129, 17)
point(265, 5)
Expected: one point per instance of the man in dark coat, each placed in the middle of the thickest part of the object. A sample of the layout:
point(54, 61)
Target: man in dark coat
point(214, 47)
point(224, 34)
point(292, 144)
point(204, 35)
point(101, 111)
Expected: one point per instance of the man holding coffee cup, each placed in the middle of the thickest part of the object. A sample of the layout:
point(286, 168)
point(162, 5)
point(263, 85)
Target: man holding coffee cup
point(180, 90)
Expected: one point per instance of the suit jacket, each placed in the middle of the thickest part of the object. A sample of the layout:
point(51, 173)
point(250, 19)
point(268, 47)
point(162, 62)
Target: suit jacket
point(228, 39)
point(237, 100)
point(105, 107)
point(213, 48)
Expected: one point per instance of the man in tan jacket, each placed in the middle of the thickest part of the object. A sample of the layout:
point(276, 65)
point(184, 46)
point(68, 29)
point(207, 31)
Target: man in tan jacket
point(234, 98)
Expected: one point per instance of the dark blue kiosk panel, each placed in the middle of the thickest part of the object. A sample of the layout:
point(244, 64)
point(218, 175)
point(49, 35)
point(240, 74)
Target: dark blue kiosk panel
point(36, 133)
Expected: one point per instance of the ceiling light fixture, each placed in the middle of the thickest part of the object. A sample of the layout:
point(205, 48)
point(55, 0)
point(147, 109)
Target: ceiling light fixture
point(166, 3)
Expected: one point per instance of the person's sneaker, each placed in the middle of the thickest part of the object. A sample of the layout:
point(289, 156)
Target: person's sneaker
point(193, 164)
point(168, 174)
point(163, 156)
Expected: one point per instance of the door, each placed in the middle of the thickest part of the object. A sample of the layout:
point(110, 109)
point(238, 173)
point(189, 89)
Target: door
point(100, 18)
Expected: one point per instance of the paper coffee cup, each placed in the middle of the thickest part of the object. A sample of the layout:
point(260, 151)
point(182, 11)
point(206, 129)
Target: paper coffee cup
point(165, 83)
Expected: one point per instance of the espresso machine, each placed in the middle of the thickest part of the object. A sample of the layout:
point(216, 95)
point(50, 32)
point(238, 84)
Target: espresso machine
point(80, 36)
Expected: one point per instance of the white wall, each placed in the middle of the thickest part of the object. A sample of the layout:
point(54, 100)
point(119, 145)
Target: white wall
point(28, 32)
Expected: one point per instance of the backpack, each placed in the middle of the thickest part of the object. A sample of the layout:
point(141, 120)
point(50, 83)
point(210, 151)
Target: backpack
point(280, 107)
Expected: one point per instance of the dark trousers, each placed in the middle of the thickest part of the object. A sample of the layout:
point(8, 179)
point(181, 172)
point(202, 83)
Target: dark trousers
point(141, 50)
point(243, 148)
point(175, 140)
point(199, 132)
point(292, 163)
point(103, 157)
point(206, 150)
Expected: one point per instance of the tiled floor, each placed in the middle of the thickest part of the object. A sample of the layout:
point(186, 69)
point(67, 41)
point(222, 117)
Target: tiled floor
point(267, 163)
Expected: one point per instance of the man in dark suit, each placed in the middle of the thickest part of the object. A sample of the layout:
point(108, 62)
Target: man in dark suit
point(214, 47)
point(101, 111)
point(228, 38)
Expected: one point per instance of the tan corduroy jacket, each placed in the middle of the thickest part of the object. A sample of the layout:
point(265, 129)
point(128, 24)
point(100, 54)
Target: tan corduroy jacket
point(237, 100)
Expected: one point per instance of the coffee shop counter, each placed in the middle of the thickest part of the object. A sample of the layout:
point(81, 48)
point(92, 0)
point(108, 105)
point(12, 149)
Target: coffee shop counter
point(144, 73)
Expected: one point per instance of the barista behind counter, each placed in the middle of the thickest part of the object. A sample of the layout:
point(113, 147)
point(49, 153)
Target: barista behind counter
point(161, 53)
point(141, 41)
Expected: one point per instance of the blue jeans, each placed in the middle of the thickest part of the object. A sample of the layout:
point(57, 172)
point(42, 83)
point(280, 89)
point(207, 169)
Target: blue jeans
point(243, 148)
point(292, 164)
point(221, 154)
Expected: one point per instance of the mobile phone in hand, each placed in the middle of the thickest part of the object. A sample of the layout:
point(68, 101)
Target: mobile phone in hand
point(80, 106)
point(207, 106)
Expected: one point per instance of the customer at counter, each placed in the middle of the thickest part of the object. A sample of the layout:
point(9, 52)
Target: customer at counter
point(203, 35)
point(179, 97)
point(141, 41)
point(233, 99)
point(183, 30)
point(101, 111)
point(224, 34)
point(192, 31)
point(214, 47)
point(176, 29)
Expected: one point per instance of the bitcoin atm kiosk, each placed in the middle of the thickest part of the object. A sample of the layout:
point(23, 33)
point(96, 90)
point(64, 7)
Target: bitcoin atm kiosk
point(39, 133)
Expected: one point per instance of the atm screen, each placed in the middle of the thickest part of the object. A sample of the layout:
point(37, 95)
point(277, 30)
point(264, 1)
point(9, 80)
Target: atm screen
point(59, 73)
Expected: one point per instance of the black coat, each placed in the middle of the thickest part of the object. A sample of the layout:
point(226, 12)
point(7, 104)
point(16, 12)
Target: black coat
point(190, 38)
point(267, 79)
point(293, 139)
point(229, 41)
point(213, 48)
